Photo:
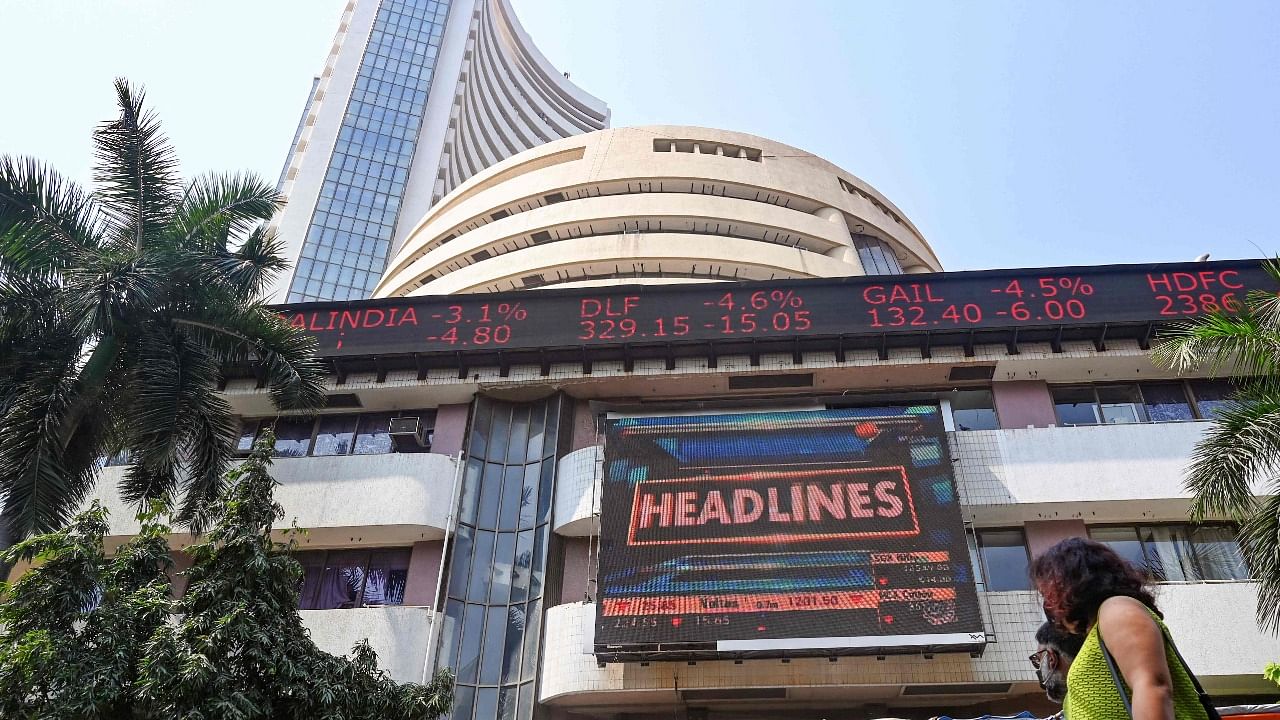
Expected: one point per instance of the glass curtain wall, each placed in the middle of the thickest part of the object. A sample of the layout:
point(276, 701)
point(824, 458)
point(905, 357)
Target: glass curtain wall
point(349, 237)
point(492, 632)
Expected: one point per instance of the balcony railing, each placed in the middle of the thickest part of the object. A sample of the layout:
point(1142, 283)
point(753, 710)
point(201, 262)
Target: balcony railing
point(396, 497)
point(400, 635)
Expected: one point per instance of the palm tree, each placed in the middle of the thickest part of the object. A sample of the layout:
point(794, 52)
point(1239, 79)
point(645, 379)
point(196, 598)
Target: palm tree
point(1240, 453)
point(119, 309)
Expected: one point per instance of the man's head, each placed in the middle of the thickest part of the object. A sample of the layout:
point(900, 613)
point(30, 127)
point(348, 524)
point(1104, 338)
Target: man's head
point(1057, 648)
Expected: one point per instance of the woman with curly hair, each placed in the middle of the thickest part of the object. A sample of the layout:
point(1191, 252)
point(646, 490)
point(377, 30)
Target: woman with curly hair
point(1128, 666)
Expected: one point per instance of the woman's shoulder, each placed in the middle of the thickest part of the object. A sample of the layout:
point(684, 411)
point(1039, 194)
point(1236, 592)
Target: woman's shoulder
point(1121, 613)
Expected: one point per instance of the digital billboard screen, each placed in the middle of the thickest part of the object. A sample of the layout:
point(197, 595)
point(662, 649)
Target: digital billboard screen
point(777, 533)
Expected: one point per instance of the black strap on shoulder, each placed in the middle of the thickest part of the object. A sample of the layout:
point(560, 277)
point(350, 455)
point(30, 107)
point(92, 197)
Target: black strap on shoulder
point(1115, 674)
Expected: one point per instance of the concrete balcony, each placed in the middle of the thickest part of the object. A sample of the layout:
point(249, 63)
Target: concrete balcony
point(400, 635)
point(1101, 473)
point(392, 499)
point(577, 508)
point(1201, 616)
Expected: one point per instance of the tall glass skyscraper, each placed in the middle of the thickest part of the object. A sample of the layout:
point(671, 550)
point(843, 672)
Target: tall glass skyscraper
point(416, 96)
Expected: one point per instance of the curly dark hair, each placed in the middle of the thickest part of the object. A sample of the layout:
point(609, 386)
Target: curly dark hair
point(1077, 575)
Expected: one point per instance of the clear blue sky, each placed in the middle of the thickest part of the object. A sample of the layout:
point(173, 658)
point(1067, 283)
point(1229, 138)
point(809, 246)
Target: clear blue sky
point(1011, 133)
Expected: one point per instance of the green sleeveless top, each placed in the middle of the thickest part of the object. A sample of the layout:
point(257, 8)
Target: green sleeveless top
point(1092, 694)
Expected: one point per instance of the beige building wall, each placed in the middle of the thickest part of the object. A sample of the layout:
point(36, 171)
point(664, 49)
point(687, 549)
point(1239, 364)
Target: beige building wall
point(652, 204)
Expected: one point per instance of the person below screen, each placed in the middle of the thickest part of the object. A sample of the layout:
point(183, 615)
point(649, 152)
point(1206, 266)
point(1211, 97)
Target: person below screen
point(1090, 590)
point(1052, 659)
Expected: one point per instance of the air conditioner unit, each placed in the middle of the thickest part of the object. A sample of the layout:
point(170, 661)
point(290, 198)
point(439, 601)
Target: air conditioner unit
point(407, 434)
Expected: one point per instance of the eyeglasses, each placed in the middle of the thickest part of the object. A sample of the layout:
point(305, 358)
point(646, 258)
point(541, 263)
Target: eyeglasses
point(1034, 657)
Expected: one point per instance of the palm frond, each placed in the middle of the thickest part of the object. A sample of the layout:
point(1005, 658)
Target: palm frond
point(45, 219)
point(1260, 545)
point(256, 333)
point(136, 169)
point(252, 266)
point(220, 208)
point(39, 483)
point(1239, 449)
point(1221, 343)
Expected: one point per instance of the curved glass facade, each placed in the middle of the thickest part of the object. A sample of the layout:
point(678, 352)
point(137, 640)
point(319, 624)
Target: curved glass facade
point(492, 634)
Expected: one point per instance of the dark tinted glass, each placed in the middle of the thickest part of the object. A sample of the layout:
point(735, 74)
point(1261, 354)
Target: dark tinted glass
point(521, 566)
point(1075, 406)
point(472, 634)
point(974, 410)
point(1125, 541)
point(514, 644)
point(495, 635)
point(481, 567)
point(1211, 396)
point(500, 433)
point(507, 703)
point(335, 435)
point(512, 496)
point(504, 552)
point(532, 638)
point(1168, 552)
point(1121, 404)
point(248, 433)
point(486, 703)
point(470, 495)
point(460, 562)
point(529, 495)
point(386, 579)
point(342, 580)
point(373, 437)
point(519, 442)
point(1218, 553)
point(1004, 559)
point(293, 437)
point(1166, 402)
point(490, 496)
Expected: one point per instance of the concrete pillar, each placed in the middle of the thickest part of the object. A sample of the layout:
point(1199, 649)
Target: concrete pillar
point(450, 432)
point(577, 570)
point(584, 425)
point(177, 574)
point(424, 573)
point(844, 253)
point(1023, 403)
point(1044, 534)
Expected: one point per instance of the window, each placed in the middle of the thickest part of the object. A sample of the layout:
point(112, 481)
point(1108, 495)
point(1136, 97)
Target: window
point(1005, 562)
point(876, 256)
point(340, 579)
point(1122, 403)
point(326, 435)
point(973, 410)
point(1211, 396)
point(1178, 552)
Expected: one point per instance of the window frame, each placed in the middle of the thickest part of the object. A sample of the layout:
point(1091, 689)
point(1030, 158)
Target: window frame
point(371, 555)
point(360, 425)
point(1186, 385)
point(979, 546)
point(1188, 529)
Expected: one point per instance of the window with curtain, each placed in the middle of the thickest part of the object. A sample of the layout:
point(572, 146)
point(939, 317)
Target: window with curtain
point(1177, 552)
point(342, 579)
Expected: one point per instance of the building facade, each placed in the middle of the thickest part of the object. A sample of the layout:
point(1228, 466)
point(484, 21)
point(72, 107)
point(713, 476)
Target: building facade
point(415, 97)
point(457, 491)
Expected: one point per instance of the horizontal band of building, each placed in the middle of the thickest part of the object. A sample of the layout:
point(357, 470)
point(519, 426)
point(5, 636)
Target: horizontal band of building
point(654, 204)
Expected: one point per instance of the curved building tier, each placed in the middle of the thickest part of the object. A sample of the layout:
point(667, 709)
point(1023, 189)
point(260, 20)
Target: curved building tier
point(654, 204)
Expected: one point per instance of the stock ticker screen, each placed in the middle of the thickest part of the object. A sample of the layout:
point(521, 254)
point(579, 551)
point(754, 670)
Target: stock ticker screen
point(779, 532)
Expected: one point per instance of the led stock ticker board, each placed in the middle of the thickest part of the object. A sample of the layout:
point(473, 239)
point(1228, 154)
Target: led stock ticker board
point(682, 314)
point(782, 533)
